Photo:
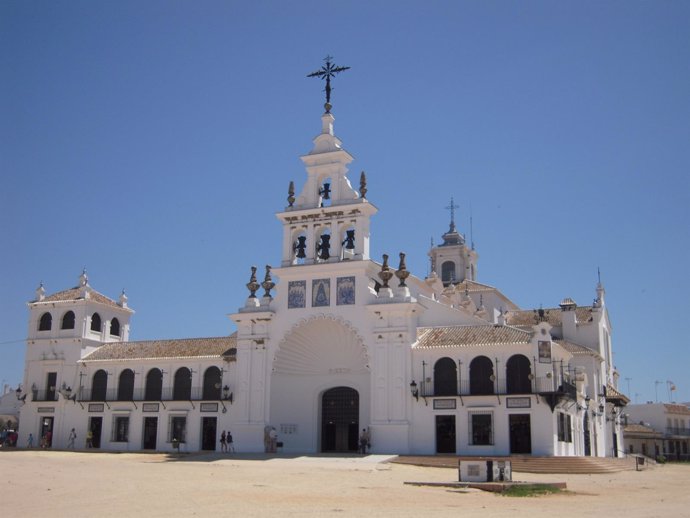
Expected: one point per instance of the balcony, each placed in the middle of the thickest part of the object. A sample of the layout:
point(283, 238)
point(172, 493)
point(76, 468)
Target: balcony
point(550, 388)
point(44, 395)
point(683, 432)
point(166, 394)
point(499, 387)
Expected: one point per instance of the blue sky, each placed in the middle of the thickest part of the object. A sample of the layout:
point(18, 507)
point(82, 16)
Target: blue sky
point(153, 142)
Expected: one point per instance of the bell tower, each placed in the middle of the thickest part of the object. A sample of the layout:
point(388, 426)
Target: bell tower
point(453, 260)
point(328, 221)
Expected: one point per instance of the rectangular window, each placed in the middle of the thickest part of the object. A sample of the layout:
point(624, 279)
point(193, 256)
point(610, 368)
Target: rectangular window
point(178, 428)
point(564, 426)
point(481, 429)
point(120, 429)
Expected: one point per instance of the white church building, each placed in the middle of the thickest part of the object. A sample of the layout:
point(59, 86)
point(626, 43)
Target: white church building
point(329, 343)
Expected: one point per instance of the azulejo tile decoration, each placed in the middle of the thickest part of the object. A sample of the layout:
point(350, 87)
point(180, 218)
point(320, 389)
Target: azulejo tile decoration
point(320, 292)
point(345, 291)
point(297, 294)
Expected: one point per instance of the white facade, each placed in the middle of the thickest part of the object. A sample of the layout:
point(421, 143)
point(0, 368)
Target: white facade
point(337, 343)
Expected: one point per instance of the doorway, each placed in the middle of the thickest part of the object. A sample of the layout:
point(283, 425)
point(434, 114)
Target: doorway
point(520, 433)
point(46, 428)
point(150, 432)
point(96, 425)
point(208, 433)
point(445, 434)
point(340, 420)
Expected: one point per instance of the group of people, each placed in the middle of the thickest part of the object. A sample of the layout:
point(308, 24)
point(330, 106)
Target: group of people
point(226, 442)
point(8, 438)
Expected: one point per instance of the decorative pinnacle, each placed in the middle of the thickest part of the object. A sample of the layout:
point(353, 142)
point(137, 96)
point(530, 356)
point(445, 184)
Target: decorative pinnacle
point(291, 193)
point(252, 285)
point(385, 274)
point(326, 72)
point(402, 272)
point(363, 185)
point(268, 283)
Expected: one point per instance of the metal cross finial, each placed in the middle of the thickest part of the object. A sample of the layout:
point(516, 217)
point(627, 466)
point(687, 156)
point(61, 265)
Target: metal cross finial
point(326, 72)
point(452, 208)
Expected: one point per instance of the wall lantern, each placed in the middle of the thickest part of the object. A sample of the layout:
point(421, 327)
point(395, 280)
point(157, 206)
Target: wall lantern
point(227, 395)
point(414, 390)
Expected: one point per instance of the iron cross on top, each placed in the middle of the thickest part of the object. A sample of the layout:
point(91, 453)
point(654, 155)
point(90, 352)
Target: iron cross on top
point(326, 72)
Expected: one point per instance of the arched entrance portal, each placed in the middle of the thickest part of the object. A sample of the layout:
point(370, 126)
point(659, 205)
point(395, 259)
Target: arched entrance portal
point(339, 420)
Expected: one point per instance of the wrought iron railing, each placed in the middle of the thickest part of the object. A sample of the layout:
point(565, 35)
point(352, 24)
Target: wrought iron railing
point(139, 394)
point(673, 430)
point(499, 387)
point(44, 395)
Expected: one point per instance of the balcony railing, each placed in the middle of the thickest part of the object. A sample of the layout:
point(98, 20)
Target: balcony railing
point(672, 430)
point(139, 394)
point(44, 395)
point(499, 387)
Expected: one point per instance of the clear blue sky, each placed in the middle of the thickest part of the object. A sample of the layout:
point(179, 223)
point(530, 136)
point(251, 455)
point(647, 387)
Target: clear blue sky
point(153, 142)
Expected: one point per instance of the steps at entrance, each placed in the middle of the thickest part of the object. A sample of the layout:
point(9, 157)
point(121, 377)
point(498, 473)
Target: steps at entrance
point(571, 465)
point(529, 464)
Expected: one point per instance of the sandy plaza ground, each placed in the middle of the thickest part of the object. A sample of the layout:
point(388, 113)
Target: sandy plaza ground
point(74, 484)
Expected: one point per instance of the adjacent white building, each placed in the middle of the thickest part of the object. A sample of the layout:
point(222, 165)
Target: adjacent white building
point(328, 343)
point(656, 429)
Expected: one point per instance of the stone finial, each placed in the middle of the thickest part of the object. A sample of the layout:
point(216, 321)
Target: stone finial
point(291, 194)
point(40, 292)
point(385, 274)
point(540, 315)
point(253, 285)
point(123, 299)
point(268, 283)
point(402, 272)
point(363, 185)
point(83, 278)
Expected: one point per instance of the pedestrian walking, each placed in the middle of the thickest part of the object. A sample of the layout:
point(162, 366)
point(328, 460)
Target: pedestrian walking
point(30, 441)
point(231, 446)
point(72, 437)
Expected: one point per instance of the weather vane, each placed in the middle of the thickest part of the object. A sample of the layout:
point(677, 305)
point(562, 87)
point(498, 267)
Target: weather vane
point(326, 72)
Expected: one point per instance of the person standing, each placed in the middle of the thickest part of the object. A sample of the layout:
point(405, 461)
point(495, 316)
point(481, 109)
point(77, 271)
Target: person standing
point(273, 436)
point(223, 443)
point(89, 438)
point(363, 441)
point(231, 446)
point(72, 437)
point(30, 441)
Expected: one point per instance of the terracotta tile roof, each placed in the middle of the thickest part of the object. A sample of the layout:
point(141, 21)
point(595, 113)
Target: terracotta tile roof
point(76, 294)
point(576, 349)
point(640, 429)
point(469, 336)
point(677, 409)
point(528, 317)
point(473, 287)
point(614, 395)
point(223, 346)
